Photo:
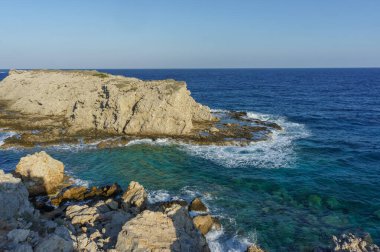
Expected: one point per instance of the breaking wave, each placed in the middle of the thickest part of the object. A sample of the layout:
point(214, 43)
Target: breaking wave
point(159, 141)
point(5, 135)
point(276, 152)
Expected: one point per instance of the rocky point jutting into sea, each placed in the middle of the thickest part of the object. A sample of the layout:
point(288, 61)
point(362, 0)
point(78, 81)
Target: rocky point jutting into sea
point(50, 106)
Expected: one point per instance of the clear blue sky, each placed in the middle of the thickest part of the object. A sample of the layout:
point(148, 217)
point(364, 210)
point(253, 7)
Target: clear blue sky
point(189, 34)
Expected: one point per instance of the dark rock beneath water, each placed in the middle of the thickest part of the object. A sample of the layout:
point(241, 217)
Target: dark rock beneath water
point(352, 243)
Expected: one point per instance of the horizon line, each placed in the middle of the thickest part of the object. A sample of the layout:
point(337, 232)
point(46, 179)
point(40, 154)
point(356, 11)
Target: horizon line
point(193, 68)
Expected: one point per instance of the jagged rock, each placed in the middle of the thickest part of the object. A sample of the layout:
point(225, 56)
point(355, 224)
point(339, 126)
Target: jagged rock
point(254, 248)
point(89, 100)
point(114, 224)
point(105, 191)
point(112, 204)
point(23, 248)
point(134, 197)
point(13, 198)
point(351, 243)
point(18, 235)
point(204, 223)
point(54, 243)
point(84, 243)
point(79, 193)
point(197, 205)
point(82, 214)
point(154, 231)
point(187, 234)
point(148, 231)
point(40, 173)
point(71, 193)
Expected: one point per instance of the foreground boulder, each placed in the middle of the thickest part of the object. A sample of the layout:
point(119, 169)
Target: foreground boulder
point(135, 198)
point(149, 231)
point(89, 100)
point(40, 173)
point(205, 223)
point(189, 238)
point(13, 198)
point(156, 231)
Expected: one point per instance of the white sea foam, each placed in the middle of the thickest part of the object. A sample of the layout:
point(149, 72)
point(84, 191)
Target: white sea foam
point(219, 111)
point(5, 135)
point(72, 147)
point(219, 241)
point(160, 196)
point(274, 153)
point(158, 141)
point(79, 182)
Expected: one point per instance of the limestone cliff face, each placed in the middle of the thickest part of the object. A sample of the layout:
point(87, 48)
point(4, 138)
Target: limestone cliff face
point(114, 104)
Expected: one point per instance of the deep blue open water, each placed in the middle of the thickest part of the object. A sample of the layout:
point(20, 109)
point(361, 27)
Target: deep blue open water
point(319, 177)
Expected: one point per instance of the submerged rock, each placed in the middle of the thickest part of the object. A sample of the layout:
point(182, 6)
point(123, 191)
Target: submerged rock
point(40, 173)
point(351, 243)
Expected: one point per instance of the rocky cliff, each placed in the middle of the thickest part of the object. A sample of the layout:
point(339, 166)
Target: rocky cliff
point(89, 100)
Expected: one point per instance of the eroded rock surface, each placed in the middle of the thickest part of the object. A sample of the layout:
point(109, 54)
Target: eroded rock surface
point(79, 193)
point(156, 231)
point(254, 248)
point(198, 205)
point(135, 197)
point(205, 223)
point(40, 173)
point(89, 100)
point(13, 198)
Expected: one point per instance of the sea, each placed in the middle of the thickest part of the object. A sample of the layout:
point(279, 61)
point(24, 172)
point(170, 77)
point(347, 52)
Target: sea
point(318, 177)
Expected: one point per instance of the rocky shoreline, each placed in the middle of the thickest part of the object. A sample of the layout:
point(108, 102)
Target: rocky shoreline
point(40, 212)
point(47, 107)
point(76, 218)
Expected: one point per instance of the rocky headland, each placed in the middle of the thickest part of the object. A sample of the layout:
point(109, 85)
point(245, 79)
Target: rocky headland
point(54, 106)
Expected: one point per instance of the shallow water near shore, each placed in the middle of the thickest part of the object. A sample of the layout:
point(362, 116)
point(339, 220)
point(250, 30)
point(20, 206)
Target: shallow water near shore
point(318, 177)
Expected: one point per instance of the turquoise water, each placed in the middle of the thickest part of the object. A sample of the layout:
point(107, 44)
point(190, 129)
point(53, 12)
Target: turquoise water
point(319, 177)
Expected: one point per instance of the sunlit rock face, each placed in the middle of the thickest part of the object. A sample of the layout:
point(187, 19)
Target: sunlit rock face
point(89, 100)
